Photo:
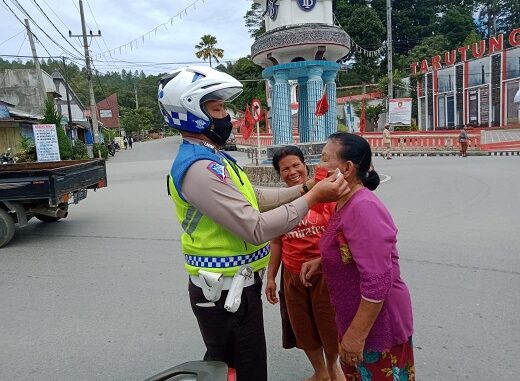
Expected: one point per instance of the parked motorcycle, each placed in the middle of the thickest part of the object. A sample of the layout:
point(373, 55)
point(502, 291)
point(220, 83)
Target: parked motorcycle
point(197, 371)
point(111, 149)
point(6, 157)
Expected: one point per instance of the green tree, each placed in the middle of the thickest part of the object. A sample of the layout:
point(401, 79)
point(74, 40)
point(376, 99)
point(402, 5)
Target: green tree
point(136, 120)
point(207, 49)
point(368, 31)
point(251, 74)
point(254, 20)
point(498, 16)
point(456, 24)
point(52, 116)
point(397, 79)
point(429, 47)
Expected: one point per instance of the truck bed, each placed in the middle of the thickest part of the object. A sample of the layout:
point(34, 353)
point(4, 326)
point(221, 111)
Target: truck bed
point(50, 180)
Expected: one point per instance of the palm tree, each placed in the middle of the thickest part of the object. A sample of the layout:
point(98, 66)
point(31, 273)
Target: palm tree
point(207, 49)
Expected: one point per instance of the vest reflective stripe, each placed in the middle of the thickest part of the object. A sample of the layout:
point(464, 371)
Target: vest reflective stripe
point(226, 262)
point(191, 221)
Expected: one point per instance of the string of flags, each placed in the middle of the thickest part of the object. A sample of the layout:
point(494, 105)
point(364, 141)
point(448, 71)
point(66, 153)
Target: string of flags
point(134, 44)
point(359, 49)
point(368, 53)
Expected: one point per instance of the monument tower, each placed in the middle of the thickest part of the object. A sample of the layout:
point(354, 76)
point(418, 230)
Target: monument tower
point(301, 43)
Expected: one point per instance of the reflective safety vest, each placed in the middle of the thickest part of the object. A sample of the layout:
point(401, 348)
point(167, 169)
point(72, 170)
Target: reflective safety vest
point(206, 244)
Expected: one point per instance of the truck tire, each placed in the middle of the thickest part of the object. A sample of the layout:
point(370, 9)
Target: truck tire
point(44, 218)
point(6, 228)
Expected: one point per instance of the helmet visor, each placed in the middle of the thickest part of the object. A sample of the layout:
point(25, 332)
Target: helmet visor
point(226, 95)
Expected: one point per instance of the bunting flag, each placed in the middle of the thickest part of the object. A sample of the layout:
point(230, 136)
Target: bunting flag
point(354, 47)
point(150, 32)
point(362, 118)
point(322, 106)
point(248, 124)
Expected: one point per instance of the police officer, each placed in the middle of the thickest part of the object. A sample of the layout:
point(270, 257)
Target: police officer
point(227, 222)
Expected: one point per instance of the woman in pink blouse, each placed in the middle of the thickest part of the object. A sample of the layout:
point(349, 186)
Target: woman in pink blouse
point(360, 262)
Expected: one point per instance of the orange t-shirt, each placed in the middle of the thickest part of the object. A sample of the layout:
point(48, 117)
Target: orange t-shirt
point(301, 244)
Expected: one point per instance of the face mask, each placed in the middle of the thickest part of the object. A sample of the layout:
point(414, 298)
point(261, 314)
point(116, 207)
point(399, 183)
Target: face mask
point(221, 130)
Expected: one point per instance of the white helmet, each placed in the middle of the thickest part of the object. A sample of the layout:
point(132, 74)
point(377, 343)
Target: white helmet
point(182, 93)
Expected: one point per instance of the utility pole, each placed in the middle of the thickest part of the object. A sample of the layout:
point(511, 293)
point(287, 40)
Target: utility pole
point(389, 48)
point(136, 100)
point(93, 110)
point(43, 91)
point(67, 91)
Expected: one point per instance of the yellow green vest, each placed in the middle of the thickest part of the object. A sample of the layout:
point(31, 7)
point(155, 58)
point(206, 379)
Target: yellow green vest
point(205, 243)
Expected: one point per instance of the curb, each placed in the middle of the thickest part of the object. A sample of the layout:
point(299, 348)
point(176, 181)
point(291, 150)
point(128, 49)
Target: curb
point(477, 153)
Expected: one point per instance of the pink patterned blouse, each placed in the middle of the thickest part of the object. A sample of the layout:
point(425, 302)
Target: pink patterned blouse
point(360, 259)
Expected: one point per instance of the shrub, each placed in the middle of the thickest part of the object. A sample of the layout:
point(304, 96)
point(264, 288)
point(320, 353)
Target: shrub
point(28, 152)
point(98, 147)
point(64, 143)
point(79, 150)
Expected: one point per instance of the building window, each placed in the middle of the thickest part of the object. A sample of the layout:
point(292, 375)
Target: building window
point(512, 108)
point(479, 72)
point(513, 63)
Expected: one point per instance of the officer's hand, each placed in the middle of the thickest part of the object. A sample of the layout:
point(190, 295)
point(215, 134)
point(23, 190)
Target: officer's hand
point(309, 269)
point(329, 189)
point(270, 291)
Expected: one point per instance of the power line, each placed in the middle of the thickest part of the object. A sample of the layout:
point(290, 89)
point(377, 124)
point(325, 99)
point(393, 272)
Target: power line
point(10, 38)
point(24, 37)
point(17, 4)
point(54, 26)
point(55, 14)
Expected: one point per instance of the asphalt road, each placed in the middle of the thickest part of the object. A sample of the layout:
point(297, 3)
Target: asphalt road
point(102, 294)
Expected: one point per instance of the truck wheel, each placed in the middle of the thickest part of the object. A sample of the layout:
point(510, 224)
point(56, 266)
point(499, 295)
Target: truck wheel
point(44, 218)
point(6, 228)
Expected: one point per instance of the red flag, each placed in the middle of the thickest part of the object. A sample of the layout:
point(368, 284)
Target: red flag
point(322, 106)
point(249, 122)
point(363, 119)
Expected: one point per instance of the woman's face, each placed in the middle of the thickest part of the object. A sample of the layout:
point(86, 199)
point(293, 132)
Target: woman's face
point(292, 170)
point(329, 157)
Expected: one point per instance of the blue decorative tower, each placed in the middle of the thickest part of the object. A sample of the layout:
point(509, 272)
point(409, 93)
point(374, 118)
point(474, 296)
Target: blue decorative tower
point(301, 45)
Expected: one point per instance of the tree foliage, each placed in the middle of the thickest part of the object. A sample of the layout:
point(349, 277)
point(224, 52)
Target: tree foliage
point(364, 26)
point(254, 21)
point(52, 116)
point(207, 49)
point(251, 74)
point(136, 120)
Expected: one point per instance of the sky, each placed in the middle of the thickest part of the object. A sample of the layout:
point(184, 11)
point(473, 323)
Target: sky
point(170, 46)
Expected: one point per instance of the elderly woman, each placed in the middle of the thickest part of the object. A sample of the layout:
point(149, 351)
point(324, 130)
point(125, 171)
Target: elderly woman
point(310, 313)
point(360, 262)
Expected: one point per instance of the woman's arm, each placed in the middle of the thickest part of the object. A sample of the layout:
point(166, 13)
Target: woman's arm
point(272, 270)
point(353, 341)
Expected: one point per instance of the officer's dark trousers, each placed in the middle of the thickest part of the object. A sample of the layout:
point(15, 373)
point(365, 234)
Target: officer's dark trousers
point(237, 339)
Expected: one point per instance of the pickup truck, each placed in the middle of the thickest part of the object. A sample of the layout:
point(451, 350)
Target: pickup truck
point(44, 190)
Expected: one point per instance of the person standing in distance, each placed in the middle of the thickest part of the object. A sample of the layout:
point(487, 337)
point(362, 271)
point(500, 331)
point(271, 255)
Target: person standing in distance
point(227, 223)
point(387, 142)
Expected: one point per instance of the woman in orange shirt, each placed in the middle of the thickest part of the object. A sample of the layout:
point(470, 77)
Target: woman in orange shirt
point(311, 315)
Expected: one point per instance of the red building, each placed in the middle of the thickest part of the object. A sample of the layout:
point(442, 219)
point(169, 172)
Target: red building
point(454, 90)
point(108, 112)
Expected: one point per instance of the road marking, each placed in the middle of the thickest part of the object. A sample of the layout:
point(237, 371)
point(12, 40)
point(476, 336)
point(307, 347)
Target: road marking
point(385, 178)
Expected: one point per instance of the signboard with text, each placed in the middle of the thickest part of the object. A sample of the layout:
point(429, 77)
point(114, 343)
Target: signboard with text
point(400, 111)
point(46, 141)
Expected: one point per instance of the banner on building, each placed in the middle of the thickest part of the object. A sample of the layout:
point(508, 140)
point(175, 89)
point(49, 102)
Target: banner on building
point(46, 141)
point(400, 111)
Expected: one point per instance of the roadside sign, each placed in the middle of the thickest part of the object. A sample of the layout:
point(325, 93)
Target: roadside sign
point(46, 142)
point(256, 108)
point(400, 111)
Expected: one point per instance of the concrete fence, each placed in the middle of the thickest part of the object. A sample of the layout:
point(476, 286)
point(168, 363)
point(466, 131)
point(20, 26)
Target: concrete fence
point(405, 141)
